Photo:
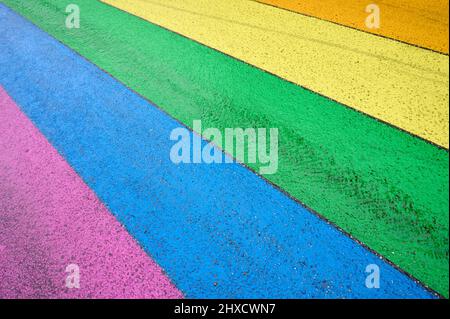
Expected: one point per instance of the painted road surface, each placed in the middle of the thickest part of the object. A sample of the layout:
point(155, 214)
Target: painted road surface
point(50, 219)
point(217, 230)
point(386, 188)
point(418, 22)
point(346, 65)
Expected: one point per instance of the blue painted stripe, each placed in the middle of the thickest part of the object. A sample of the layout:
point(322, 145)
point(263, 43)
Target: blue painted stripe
point(219, 231)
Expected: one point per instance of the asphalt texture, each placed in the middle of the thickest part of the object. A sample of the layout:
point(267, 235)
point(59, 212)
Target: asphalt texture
point(397, 83)
point(417, 22)
point(50, 219)
point(216, 230)
point(385, 187)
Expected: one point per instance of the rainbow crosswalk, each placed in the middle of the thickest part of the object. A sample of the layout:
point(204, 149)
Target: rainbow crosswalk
point(86, 178)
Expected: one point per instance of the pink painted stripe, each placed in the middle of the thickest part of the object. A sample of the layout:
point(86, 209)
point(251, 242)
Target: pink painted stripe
point(49, 218)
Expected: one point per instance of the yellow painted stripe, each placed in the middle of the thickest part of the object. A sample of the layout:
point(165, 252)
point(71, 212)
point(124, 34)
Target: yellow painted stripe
point(392, 81)
point(419, 22)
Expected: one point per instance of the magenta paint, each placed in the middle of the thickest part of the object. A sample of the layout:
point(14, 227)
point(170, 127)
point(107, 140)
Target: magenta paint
point(49, 218)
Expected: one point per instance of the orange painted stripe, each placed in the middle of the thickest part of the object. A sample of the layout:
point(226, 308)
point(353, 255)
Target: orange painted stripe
point(418, 22)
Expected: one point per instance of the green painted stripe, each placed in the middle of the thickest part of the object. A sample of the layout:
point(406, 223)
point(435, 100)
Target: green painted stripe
point(385, 187)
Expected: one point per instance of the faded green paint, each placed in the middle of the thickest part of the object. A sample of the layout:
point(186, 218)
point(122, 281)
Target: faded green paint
point(385, 187)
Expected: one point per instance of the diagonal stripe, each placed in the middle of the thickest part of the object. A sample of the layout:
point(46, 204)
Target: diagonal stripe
point(397, 83)
point(50, 219)
point(386, 188)
point(218, 230)
point(418, 22)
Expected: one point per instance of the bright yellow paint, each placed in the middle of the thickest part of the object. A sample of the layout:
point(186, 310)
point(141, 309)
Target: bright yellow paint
point(420, 22)
point(395, 82)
